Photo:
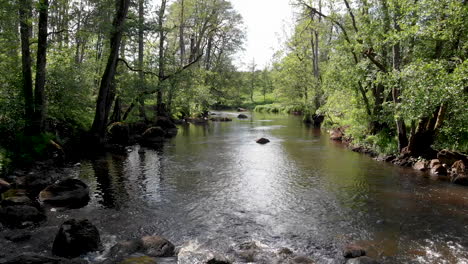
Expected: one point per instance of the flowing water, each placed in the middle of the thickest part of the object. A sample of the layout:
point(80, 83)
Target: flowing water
point(213, 187)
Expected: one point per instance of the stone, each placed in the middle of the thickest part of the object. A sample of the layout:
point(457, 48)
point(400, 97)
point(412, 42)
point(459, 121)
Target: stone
point(75, 238)
point(450, 157)
point(362, 260)
point(336, 134)
point(420, 166)
point(301, 260)
point(17, 200)
point(438, 169)
point(4, 186)
point(17, 236)
point(156, 246)
point(459, 173)
point(242, 116)
point(240, 109)
point(218, 260)
point(153, 134)
point(70, 193)
point(262, 140)
point(31, 258)
point(165, 123)
point(125, 248)
point(353, 251)
point(434, 162)
point(119, 133)
point(139, 260)
point(20, 216)
point(285, 251)
point(221, 119)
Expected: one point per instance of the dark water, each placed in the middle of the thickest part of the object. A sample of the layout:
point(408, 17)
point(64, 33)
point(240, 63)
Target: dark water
point(213, 187)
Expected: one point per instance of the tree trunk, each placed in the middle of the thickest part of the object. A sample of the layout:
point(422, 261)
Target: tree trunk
point(181, 34)
point(400, 123)
point(25, 32)
point(141, 74)
point(104, 100)
point(160, 111)
point(39, 96)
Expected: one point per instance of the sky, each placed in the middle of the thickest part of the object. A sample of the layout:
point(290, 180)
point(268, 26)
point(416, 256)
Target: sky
point(266, 22)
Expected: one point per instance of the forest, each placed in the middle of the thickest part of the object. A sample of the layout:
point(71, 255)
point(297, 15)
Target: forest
point(392, 73)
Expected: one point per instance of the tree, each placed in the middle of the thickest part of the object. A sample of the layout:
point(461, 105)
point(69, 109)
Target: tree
point(106, 90)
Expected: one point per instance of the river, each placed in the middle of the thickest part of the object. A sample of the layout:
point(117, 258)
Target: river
point(213, 186)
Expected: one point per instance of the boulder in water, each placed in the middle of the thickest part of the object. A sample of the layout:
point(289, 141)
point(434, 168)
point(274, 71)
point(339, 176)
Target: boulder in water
point(242, 116)
point(119, 133)
point(459, 173)
point(20, 216)
point(70, 193)
point(353, 251)
point(362, 260)
point(420, 166)
point(262, 141)
point(154, 134)
point(301, 260)
point(165, 123)
point(139, 260)
point(4, 186)
point(336, 134)
point(75, 238)
point(31, 258)
point(439, 170)
point(220, 119)
point(450, 157)
point(156, 246)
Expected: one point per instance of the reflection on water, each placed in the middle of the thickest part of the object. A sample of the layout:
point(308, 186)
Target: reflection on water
point(214, 184)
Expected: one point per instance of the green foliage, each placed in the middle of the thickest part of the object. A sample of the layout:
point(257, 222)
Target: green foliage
point(28, 149)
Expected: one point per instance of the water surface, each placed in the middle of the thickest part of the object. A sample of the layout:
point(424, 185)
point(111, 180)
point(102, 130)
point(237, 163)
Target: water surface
point(214, 186)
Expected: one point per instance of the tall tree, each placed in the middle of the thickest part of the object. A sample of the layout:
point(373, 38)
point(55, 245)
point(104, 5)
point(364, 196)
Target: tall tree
point(106, 93)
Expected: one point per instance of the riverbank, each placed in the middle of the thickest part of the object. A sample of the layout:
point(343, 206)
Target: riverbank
point(445, 165)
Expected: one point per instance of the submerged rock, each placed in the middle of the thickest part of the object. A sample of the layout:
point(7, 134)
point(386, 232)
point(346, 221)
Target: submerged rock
point(301, 260)
point(76, 237)
point(362, 260)
point(242, 116)
point(139, 260)
point(262, 140)
point(71, 193)
point(218, 260)
point(31, 258)
point(16, 236)
point(353, 251)
point(157, 246)
point(20, 216)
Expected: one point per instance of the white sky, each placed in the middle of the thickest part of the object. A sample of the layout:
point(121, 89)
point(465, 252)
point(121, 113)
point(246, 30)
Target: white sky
point(266, 22)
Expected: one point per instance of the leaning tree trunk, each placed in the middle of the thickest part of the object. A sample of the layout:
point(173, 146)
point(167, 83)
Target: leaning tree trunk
point(39, 96)
point(25, 32)
point(105, 98)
